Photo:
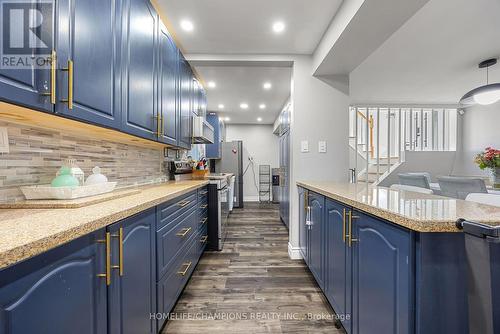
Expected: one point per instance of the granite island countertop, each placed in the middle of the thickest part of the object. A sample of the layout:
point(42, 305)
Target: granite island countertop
point(25, 233)
point(415, 211)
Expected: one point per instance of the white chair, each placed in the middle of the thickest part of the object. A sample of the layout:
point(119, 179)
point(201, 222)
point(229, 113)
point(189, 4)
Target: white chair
point(489, 199)
point(412, 188)
point(460, 187)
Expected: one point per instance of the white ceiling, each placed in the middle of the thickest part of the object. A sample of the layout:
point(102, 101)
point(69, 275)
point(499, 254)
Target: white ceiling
point(245, 27)
point(433, 57)
point(244, 84)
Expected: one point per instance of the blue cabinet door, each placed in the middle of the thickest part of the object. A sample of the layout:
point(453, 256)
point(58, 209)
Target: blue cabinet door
point(138, 79)
point(132, 289)
point(303, 228)
point(381, 277)
point(316, 239)
point(24, 86)
point(57, 292)
point(167, 81)
point(185, 95)
point(88, 35)
point(338, 262)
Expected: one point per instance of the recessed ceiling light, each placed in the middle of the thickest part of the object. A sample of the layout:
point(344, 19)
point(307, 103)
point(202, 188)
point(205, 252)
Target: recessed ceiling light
point(212, 84)
point(267, 85)
point(259, 119)
point(244, 106)
point(187, 25)
point(262, 106)
point(221, 106)
point(278, 27)
point(227, 119)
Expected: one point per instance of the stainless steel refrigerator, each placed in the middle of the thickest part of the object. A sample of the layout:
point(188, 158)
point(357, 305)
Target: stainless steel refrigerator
point(232, 162)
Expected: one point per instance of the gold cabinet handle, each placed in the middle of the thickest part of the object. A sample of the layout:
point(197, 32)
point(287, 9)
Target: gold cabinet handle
point(183, 203)
point(159, 131)
point(204, 206)
point(107, 275)
point(120, 251)
point(203, 221)
point(69, 69)
point(53, 78)
point(204, 239)
point(343, 226)
point(184, 232)
point(184, 272)
point(203, 192)
point(350, 238)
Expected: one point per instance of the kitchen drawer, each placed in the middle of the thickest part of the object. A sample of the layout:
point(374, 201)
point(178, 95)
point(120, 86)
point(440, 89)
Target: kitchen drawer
point(169, 211)
point(169, 240)
point(170, 287)
point(202, 240)
point(203, 220)
point(202, 193)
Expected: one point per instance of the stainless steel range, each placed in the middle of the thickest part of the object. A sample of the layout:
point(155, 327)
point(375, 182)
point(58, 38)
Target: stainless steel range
point(218, 210)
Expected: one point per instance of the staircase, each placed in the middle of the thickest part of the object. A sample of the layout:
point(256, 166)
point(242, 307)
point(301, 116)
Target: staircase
point(380, 136)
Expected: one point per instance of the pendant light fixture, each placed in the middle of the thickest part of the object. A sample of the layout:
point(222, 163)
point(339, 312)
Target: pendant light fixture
point(484, 95)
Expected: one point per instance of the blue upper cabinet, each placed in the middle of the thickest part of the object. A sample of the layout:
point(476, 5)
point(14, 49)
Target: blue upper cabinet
point(186, 97)
point(59, 291)
point(132, 291)
point(167, 81)
point(316, 236)
point(381, 277)
point(214, 151)
point(138, 79)
point(27, 86)
point(338, 261)
point(90, 44)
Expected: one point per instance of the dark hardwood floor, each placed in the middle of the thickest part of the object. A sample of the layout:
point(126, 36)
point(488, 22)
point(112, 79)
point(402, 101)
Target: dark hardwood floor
point(252, 286)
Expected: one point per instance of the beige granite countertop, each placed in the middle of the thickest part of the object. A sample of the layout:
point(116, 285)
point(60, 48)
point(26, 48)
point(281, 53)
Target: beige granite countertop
point(25, 233)
point(415, 211)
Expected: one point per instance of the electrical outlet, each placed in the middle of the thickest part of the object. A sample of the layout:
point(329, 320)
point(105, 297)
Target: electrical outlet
point(322, 146)
point(4, 140)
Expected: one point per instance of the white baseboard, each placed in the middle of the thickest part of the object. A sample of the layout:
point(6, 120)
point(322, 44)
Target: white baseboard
point(294, 252)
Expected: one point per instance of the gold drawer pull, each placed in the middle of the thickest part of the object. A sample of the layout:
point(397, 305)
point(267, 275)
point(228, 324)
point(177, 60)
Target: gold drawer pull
point(107, 275)
point(183, 203)
point(204, 220)
point(69, 69)
point(203, 192)
point(204, 206)
point(184, 232)
point(120, 251)
point(184, 272)
point(204, 239)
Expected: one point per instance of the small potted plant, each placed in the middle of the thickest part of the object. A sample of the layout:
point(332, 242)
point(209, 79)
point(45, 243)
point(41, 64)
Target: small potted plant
point(490, 159)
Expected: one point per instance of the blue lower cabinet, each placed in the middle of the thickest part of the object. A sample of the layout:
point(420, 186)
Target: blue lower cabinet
point(316, 248)
point(131, 294)
point(382, 271)
point(338, 262)
point(57, 292)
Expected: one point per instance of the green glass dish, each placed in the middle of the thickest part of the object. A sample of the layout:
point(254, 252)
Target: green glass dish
point(65, 179)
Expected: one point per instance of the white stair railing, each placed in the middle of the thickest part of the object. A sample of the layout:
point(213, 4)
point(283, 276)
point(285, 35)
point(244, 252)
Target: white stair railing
point(380, 135)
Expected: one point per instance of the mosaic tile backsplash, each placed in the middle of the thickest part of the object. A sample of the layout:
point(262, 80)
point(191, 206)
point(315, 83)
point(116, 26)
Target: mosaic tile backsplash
point(37, 153)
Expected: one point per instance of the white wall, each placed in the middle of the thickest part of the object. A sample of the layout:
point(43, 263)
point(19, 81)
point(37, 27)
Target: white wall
point(319, 112)
point(480, 129)
point(433, 57)
point(260, 143)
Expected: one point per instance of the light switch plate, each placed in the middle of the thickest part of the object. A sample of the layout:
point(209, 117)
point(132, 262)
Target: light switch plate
point(4, 140)
point(322, 146)
point(304, 146)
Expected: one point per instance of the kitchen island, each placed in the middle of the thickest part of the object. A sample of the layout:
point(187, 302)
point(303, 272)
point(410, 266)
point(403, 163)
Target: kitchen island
point(388, 261)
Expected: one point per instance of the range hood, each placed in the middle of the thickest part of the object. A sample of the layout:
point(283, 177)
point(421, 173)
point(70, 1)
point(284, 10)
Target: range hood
point(203, 132)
